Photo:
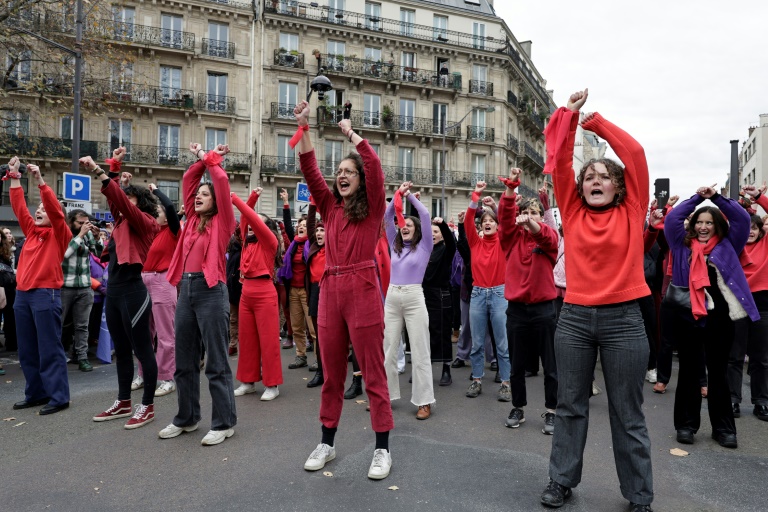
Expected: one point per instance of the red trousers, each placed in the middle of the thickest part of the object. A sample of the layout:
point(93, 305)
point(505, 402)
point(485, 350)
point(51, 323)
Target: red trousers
point(351, 309)
point(259, 334)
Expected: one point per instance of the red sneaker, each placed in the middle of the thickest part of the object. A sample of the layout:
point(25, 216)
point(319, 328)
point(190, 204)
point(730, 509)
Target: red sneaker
point(143, 415)
point(120, 409)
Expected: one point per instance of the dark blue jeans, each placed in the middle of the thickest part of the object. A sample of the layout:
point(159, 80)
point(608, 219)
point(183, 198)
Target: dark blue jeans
point(617, 332)
point(41, 353)
point(202, 317)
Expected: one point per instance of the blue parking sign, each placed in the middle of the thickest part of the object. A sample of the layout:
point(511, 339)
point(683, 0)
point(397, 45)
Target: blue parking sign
point(302, 193)
point(77, 187)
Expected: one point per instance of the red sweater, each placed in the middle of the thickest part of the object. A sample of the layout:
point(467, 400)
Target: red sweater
point(39, 264)
point(161, 252)
point(134, 230)
point(219, 228)
point(604, 248)
point(257, 259)
point(754, 259)
point(530, 257)
point(317, 266)
point(488, 261)
point(383, 263)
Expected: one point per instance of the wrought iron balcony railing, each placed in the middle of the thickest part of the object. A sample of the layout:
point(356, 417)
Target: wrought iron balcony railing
point(216, 48)
point(512, 143)
point(512, 99)
point(291, 59)
point(399, 174)
point(333, 16)
point(536, 120)
point(279, 165)
point(480, 133)
point(481, 87)
point(341, 64)
point(282, 111)
point(215, 103)
point(534, 155)
point(330, 116)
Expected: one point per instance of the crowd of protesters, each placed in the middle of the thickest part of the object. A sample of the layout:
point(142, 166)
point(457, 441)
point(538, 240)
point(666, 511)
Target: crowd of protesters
point(370, 281)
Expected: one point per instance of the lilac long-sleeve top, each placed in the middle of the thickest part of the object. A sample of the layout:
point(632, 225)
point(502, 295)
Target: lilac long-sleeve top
point(409, 266)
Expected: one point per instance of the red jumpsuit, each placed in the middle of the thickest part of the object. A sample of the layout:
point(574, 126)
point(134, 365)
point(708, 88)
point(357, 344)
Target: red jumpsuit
point(258, 313)
point(351, 308)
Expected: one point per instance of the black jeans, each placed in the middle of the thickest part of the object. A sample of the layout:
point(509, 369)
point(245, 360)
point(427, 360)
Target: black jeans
point(648, 310)
point(751, 338)
point(127, 310)
point(440, 311)
point(531, 327)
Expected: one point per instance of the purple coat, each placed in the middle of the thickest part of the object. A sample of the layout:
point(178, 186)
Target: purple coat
point(725, 255)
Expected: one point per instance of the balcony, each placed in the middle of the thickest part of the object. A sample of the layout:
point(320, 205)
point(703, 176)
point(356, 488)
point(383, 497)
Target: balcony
point(399, 174)
point(292, 59)
point(217, 104)
point(282, 111)
point(512, 99)
point(533, 155)
point(47, 147)
point(512, 143)
point(216, 48)
point(481, 87)
point(377, 24)
point(278, 165)
point(353, 66)
point(480, 133)
point(330, 116)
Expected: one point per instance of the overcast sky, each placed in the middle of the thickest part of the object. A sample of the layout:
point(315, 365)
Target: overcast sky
point(683, 77)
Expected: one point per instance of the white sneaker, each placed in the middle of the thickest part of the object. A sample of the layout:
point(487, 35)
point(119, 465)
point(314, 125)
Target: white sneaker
point(172, 431)
point(595, 390)
point(317, 459)
point(651, 376)
point(137, 383)
point(245, 388)
point(216, 436)
point(381, 464)
point(270, 393)
point(165, 387)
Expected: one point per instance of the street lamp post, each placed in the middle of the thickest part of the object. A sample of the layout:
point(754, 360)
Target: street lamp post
point(445, 129)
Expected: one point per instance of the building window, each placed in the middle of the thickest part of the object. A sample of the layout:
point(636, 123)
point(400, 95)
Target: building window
point(478, 35)
point(14, 122)
point(408, 61)
point(124, 18)
point(5, 197)
point(286, 100)
point(289, 42)
point(478, 168)
point(333, 156)
point(121, 82)
point(170, 83)
point(20, 65)
point(372, 16)
point(286, 157)
point(218, 40)
point(67, 125)
point(168, 144)
point(437, 207)
point(279, 208)
point(437, 166)
point(407, 112)
point(440, 24)
point(371, 110)
point(439, 117)
point(170, 30)
point(170, 189)
point(217, 92)
point(407, 21)
point(405, 157)
point(335, 51)
point(214, 137)
point(336, 11)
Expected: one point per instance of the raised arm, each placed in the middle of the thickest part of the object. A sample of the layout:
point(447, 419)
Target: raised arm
point(674, 229)
point(462, 245)
point(253, 198)
point(18, 201)
point(508, 209)
point(738, 219)
point(632, 155)
point(308, 163)
point(220, 180)
point(53, 209)
point(263, 234)
point(311, 221)
point(174, 224)
point(389, 221)
point(469, 217)
point(191, 180)
point(560, 135)
point(448, 238)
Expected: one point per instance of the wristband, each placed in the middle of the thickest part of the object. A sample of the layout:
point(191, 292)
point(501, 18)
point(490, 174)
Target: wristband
point(198, 153)
point(100, 171)
point(512, 185)
point(475, 196)
point(298, 135)
point(758, 196)
point(351, 133)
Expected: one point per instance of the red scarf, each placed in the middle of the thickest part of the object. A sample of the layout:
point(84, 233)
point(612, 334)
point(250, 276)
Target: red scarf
point(698, 278)
point(398, 199)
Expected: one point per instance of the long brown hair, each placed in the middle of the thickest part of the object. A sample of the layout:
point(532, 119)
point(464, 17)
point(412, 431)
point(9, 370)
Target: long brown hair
point(397, 246)
point(206, 217)
point(615, 172)
point(721, 225)
point(5, 247)
point(356, 207)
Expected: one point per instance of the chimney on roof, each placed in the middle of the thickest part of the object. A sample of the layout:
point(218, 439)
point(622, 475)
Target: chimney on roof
point(751, 129)
point(526, 46)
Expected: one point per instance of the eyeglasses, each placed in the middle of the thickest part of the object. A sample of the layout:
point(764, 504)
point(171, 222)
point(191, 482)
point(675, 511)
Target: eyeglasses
point(345, 172)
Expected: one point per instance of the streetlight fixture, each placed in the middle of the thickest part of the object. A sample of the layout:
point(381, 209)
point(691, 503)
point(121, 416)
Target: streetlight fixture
point(486, 108)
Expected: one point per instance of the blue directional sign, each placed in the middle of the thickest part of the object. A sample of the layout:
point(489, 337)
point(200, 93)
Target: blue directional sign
point(77, 187)
point(302, 193)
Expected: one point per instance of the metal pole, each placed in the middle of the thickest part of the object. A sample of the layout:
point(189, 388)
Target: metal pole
point(733, 191)
point(442, 170)
point(78, 85)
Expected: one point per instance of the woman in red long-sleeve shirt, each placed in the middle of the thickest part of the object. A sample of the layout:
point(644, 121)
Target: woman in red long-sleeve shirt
point(258, 313)
point(351, 308)
point(202, 312)
point(603, 216)
point(39, 279)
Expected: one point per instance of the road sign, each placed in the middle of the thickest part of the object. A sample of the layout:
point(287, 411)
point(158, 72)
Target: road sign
point(301, 208)
point(77, 187)
point(302, 193)
point(79, 205)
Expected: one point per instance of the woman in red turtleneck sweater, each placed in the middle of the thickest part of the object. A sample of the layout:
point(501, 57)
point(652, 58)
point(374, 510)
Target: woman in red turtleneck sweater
point(258, 313)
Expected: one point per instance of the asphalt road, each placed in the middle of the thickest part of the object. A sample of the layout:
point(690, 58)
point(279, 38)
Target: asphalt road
point(462, 458)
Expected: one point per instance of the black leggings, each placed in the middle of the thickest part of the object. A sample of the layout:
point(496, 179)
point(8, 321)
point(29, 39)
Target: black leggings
point(128, 309)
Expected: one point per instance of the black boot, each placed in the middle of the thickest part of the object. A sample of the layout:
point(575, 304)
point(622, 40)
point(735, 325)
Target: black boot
point(355, 389)
point(317, 380)
point(446, 380)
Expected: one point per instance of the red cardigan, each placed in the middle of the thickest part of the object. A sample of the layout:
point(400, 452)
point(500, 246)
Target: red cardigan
point(219, 228)
point(40, 259)
point(530, 257)
point(134, 230)
point(604, 248)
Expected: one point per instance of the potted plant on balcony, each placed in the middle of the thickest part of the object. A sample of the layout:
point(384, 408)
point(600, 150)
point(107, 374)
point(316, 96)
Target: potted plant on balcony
point(295, 53)
point(387, 114)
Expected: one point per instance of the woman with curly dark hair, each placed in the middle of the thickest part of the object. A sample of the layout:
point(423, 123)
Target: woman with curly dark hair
point(705, 261)
point(603, 216)
point(353, 213)
point(128, 306)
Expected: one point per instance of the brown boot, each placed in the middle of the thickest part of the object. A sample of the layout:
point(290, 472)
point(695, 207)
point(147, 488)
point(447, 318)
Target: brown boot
point(424, 412)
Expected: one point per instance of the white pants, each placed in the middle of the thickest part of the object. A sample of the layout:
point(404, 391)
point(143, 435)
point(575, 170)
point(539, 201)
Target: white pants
point(405, 307)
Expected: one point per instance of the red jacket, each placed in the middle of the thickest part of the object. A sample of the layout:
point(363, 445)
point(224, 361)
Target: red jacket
point(40, 260)
point(530, 257)
point(134, 230)
point(219, 228)
point(604, 248)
